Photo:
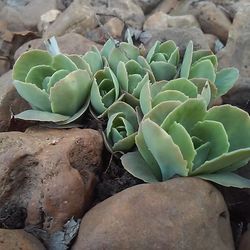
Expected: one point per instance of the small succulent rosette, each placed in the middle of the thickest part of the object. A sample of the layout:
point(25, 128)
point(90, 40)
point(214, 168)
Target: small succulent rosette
point(56, 86)
point(104, 92)
point(163, 59)
point(203, 64)
point(180, 89)
point(184, 139)
point(121, 128)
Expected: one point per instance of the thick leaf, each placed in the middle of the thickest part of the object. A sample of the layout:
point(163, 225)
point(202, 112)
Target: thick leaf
point(58, 75)
point(37, 115)
point(143, 62)
point(236, 123)
point(203, 69)
point(94, 60)
point(116, 55)
point(28, 60)
point(152, 51)
point(96, 99)
point(167, 154)
point(136, 165)
point(220, 163)
point(61, 61)
point(163, 70)
point(213, 132)
point(169, 95)
point(183, 140)
point(187, 60)
point(175, 57)
point(79, 62)
point(212, 58)
point(147, 155)
point(69, 94)
point(137, 90)
point(131, 51)
point(107, 48)
point(201, 155)
point(128, 112)
point(187, 114)
point(227, 180)
point(183, 85)
point(159, 113)
point(122, 76)
point(125, 144)
point(200, 54)
point(225, 79)
point(34, 95)
point(167, 48)
point(145, 98)
point(206, 93)
point(37, 74)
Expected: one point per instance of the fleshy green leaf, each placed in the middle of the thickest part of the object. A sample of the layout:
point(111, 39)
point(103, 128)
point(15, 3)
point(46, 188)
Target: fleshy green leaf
point(107, 48)
point(213, 132)
point(203, 69)
point(61, 61)
point(131, 51)
point(38, 73)
point(227, 179)
point(28, 60)
point(187, 60)
point(152, 51)
point(225, 79)
point(70, 93)
point(165, 151)
point(37, 115)
point(58, 75)
point(236, 123)
point(94, 60)
point(116, 55)
point(183, 85)
point(163, 70)
point(34, 95)
point(145, 98)
point(167, 48)
point(125, 144)
point(136, 165)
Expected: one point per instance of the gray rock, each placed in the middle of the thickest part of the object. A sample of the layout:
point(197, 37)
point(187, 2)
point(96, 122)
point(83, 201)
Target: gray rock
point(180, 214)
point(147, 5)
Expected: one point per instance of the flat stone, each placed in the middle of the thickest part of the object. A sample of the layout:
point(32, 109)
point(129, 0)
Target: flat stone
point(18, 239)
point(50, 173)
point(180, 214)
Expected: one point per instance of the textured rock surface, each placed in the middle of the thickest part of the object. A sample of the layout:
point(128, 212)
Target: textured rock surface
point(10, 101)
point(70, 43)
point(245, 241)
point(48, 172)
point(25, 14)
point(237, 54)
point(183, 213)
point(18, 240)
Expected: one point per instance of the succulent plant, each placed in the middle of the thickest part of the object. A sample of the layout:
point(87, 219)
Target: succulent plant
point(121, 128)
point(184, 139)
point(164, 59)
point(203, 64)
point(105, 91)
point(180, 89)
point(56, 88)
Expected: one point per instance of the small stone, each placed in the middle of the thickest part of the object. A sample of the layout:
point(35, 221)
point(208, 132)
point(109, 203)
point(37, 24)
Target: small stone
point(184, 21)
point(18, 239)
point(179, 214)
point(147, 5)
point(46, 19)
point(157, 21)
point(115, 27)
point(166, 6)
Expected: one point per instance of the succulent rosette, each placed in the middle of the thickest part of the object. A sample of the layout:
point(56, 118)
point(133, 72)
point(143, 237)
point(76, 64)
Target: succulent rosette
point(121, 128)
point(184, 139)
point(203, 64)
point(180, 89)
point(163, 59)
point(105, 91)
point(56, 88)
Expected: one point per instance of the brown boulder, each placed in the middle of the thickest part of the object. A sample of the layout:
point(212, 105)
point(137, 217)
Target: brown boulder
point(49, 172)
point(18, 239)
point(245, 241)
point(10, 101)
point(183, 213)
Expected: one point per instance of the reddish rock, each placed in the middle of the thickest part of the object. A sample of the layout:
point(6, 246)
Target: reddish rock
point(18, 240)
point(49, 172)
point(182, 213)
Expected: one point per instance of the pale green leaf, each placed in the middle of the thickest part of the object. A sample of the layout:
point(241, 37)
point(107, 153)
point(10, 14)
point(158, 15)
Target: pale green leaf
point(163, 70)
point(187, 60)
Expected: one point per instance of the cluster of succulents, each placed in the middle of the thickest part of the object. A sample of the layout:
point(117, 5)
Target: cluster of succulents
point(159, 108)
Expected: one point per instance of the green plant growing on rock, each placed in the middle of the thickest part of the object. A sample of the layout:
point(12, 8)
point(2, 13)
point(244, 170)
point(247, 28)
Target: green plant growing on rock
point(184, 139)
point(56, 88)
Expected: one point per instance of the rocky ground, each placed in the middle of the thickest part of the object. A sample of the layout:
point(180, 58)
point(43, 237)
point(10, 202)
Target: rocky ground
point(51, 178)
